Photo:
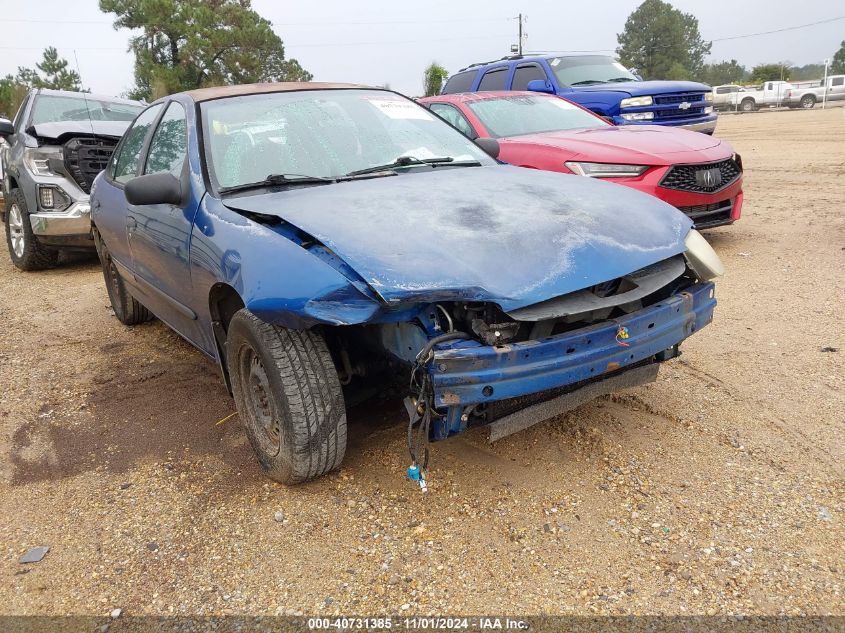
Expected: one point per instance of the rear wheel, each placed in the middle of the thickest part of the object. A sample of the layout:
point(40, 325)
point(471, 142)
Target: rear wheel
point(26, 251)
point(808, 102)
point(748, 105)
point(127, 308)
point(288, 396)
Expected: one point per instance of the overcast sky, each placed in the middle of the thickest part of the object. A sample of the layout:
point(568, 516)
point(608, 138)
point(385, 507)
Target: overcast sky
point(379, 41)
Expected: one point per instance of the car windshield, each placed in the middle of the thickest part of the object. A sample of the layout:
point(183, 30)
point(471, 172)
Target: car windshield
point(323, 133)
point(588, 69)
point(515, 115)
point(54, 108)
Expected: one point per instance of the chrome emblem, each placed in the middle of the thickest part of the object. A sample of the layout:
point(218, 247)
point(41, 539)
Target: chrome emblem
point(708, 178)
point(684, 105)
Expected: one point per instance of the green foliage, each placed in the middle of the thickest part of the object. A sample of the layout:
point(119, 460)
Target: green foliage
point(433, 79)
point(769, 72)
point(186, 44)
point(725, 72)
point(53, 74)
point(807, 72)
point(837, 64)
point(659, 38)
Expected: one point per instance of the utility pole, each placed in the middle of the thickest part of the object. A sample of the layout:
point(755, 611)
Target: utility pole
point(517, 48)
point(520, 34)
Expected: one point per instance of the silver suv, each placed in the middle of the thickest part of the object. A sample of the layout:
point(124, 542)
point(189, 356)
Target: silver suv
point(57, 145)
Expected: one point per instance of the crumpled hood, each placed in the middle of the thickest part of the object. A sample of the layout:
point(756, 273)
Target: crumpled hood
point(59, 129)
point(499, 233)
point(643, 88)
point(644, 144)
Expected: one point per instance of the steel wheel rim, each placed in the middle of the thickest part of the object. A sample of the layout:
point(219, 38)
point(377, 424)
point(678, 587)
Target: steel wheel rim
point(259, 403)
point(17, 237)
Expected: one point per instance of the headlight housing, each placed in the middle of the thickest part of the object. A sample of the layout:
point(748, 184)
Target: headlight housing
point(708, 110)
point(38, 160)
point(606, 170)
point(701, 257)
point(638, 116)
point(708, 97)
point(636, 102)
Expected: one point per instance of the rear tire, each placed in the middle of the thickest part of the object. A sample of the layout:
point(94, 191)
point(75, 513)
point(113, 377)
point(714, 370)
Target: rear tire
point(127, 308)
point(26, 251)
point(748, 105)
point(808, 102)
point(288, 396)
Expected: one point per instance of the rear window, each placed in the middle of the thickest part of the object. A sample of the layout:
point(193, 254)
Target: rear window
point(838, 81)
point(462, 82)
point(494, 79)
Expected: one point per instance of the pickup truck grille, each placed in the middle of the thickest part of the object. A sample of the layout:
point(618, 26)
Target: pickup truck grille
point(85, 157)
point(679, 98)
point(678, 107)
point(705, 178)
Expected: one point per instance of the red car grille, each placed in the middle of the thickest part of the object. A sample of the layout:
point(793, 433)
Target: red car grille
point(707, 215)
point(705, 178)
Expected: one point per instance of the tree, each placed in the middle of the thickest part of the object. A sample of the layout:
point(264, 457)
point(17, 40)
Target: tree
point(187, 44)
point(807, 72)
point(433, 79)
point(12, 94)
point(837, 64)
point(657, 37)
point(725, 72)
point(56, 73)
point(770, 72)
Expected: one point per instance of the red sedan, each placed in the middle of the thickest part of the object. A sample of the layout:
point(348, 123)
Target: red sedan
point(698, 174)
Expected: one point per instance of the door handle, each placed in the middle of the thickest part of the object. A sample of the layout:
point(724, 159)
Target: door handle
point(131, 223)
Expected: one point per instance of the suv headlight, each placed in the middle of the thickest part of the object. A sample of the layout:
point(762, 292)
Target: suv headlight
point(605, 170)
point(708, 97)
point(38, 160)
point(636, 102)
point(701, 257)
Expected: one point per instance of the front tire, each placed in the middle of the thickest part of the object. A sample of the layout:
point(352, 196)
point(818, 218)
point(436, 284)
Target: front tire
point(26, 251)
point(288, 396)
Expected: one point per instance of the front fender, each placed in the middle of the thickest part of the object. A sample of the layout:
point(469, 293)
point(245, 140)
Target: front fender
point(279, 280)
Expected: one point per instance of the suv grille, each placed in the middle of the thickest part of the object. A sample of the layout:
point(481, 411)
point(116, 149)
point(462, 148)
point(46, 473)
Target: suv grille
point(85, 157)
point(678, 98)
point(706, 178)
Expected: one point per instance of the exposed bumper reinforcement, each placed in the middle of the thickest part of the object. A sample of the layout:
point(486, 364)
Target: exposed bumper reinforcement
point(543, 411)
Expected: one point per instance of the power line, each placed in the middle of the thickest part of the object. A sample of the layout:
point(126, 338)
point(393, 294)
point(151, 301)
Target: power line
point(788, 28)
point(314, 23)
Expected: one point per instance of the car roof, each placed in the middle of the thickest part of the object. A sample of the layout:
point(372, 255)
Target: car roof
point(221, 92)
point(530, 57)
point(465, 97)
point(86, 95)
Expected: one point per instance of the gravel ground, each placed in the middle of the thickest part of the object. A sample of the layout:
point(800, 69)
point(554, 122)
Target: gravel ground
point(717, 490)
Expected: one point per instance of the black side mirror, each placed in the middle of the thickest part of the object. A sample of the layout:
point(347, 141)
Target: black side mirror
point(6, 128)
point(489, 145)
point(154, 189)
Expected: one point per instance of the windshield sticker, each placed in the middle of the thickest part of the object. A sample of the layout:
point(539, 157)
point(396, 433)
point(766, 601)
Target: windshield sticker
point(399, 109)
point(555, 61)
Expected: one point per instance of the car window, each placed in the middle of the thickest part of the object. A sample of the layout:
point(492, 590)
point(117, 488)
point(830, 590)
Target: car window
point(838, 81)
point(323, 133)
point(169, 145)
point(19, 116)
point(453, 116)
point(721, 91)
point(494, 79)
point(515, 115)
point(524, 74)
point(126, 159)
point(462, 82)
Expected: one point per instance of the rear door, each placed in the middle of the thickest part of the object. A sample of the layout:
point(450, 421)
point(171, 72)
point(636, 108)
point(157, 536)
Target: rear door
point(160, 234)
point(837, 89)
point(109, 208)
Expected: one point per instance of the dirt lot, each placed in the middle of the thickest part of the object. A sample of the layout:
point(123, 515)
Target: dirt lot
point(719, 489)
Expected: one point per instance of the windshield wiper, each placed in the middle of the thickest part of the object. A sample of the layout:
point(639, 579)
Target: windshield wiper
point(280, 179)
point(616, 79)
point(586, 82)
point(403, 161)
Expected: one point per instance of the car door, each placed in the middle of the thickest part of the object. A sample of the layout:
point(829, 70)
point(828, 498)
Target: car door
point(160, 234)
point(109, 208)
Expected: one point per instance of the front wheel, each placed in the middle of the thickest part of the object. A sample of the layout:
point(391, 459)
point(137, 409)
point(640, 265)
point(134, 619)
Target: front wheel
point(26, 251)
point(288, 396)
point(808, 101)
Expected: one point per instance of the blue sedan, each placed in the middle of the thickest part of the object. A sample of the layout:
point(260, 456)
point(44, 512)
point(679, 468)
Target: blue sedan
point(317, 240)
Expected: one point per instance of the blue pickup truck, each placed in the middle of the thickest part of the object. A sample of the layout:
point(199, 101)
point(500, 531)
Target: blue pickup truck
point(599, 83)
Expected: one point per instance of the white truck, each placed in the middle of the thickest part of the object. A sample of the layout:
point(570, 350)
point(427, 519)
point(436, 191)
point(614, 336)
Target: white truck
point(722, 96)
point(807, 97)
point(770, 94)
